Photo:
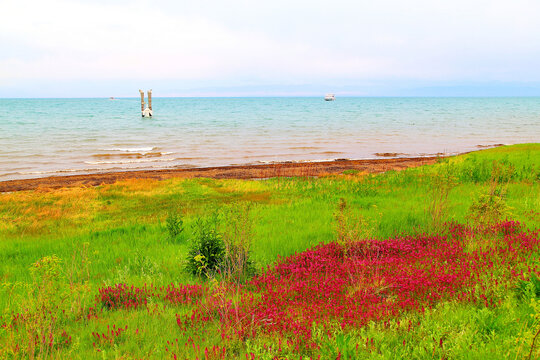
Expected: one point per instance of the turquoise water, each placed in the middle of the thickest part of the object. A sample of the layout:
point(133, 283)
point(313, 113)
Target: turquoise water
point(43, 137)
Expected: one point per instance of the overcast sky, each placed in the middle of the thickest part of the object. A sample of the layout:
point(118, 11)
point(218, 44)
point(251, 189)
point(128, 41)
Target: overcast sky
point(279, 47)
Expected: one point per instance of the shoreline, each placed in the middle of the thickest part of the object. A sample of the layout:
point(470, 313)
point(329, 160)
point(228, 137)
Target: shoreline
point(264, 171)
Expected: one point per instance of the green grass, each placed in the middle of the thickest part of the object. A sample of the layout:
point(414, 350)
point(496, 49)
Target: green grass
point(118, 234)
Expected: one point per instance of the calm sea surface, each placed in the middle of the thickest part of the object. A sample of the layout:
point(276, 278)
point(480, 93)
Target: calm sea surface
point(43, 137)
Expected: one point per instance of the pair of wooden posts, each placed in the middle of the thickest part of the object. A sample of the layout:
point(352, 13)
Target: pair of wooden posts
point(146, 112)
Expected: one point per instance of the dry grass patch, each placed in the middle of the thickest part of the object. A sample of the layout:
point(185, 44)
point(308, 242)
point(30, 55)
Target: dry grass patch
point(33, 211)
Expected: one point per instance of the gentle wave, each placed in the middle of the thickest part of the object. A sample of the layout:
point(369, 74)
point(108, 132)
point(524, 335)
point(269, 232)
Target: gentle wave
point(56, 171)
point(133, 161)
point(137, 149)
point(304, 147)
point(133, 154)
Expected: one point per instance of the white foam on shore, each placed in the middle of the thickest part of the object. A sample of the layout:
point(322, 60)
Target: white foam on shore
point(133, 161)
point(138, 149)
point(55, 171)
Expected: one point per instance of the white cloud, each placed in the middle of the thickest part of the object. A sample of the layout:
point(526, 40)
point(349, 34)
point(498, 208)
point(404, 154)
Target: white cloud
point(278, 41)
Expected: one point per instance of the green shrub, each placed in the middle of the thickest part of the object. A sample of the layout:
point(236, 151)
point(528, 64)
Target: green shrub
point(206, 249)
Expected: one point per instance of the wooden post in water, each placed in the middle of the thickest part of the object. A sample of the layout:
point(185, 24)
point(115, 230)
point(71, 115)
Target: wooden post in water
point(146, 112)
point(142, 100)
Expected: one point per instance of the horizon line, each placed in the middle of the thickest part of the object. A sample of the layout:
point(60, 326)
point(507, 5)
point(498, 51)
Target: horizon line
point(270, 96)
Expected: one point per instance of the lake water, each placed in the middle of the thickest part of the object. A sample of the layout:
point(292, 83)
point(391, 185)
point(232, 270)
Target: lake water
point(43, 137)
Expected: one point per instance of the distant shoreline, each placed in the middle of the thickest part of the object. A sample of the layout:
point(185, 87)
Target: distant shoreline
point(286, 169)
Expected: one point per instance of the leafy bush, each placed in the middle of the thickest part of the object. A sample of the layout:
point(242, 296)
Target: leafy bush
point(207, 249)
point(223, 245)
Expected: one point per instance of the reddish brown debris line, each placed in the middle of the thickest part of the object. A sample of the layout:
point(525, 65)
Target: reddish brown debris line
point(222, 172)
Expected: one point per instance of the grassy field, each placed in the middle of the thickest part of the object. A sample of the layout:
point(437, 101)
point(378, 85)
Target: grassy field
point(63, 254)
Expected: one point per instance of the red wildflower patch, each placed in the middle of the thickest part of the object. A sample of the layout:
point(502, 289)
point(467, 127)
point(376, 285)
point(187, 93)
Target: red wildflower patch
point(182, 294)
point(328, 286)
point(373, 280)
point(124, 297)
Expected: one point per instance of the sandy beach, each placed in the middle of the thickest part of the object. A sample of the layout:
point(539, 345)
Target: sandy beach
point(223, 172)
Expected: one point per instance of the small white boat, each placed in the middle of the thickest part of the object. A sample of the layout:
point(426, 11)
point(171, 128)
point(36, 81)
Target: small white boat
point(147, 112)
point(329, 97)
